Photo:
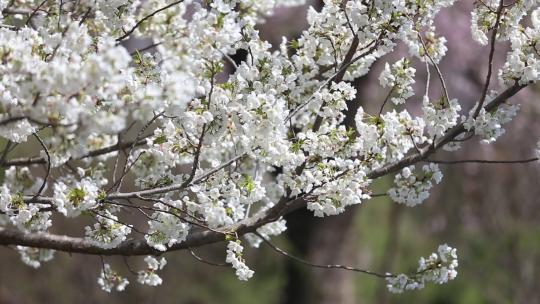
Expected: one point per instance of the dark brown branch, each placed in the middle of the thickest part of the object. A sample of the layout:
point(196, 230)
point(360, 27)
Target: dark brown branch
point(128, 33)
point(146, 48)
point(80, 245)
point(12, 119)
point(198, 150)
point(490, 60)
point(437, 69)
point(450, 135)
point(34, 12)
point(26, 161)
point(48, 173)
point(482, 161)
point(175, 187)
point(385, 101)
point(342, 69)
point(16, 11)
point(125, 170)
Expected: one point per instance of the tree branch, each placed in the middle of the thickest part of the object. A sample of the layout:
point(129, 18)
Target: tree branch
point(490, 60)
point(482, 161)
point(26, 161)
point(331, 266)
point(196, 239)
point(128, 33)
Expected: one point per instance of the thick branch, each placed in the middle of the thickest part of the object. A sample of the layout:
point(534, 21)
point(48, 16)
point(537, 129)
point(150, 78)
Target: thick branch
point(80, 245)
point(450, 135)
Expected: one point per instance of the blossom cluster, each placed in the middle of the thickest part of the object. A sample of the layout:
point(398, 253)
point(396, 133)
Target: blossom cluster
point(33, 257)
point(439, 268)
point(488, 125)
point(110, 279)
point(412, 188)
point(236, 259)
point(166, 227)
point(400, 77)
point(149, 276)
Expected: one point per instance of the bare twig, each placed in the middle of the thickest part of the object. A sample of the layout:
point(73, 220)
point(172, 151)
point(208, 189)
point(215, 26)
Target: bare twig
point(198, 258)
point(482, 161)
point(330, 266)
point(127, 165)
point(34, 12)
point(48, 166)
point(129, 32)
point(439, 73)
point(26, 161)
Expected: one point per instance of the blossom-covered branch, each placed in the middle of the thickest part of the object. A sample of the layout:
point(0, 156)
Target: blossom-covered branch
point(209, 154)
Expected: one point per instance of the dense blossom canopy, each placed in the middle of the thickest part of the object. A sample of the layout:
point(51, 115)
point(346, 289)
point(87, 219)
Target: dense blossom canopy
point(209, 149)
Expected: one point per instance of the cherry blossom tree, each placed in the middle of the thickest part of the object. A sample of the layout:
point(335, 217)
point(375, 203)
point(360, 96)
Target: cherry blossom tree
point(209, 149)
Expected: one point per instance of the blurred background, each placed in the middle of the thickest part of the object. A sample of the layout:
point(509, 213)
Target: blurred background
point(490, 212)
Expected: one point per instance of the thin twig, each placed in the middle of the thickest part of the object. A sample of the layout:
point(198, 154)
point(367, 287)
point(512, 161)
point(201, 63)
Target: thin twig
point(35, 11)
point(490, 60)
point(439, 73)
point(48, 166)
point(133, 272)
point(482, 161)
point(386, 100)
point(330, 266)
point(26, 161)
point(193, 254)
point(125, 170)
point(128, 33)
